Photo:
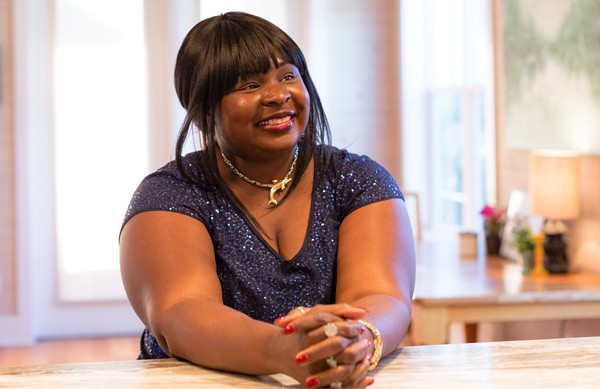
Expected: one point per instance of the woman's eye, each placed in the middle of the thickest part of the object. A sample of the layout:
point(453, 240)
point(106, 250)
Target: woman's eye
point(249, 86)
point(289, 77)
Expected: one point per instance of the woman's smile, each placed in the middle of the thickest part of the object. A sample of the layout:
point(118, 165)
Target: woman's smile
point(279, 123)
point(266, 111)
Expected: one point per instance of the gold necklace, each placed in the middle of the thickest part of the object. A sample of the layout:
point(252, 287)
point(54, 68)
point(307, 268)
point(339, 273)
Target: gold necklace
point(275, 185)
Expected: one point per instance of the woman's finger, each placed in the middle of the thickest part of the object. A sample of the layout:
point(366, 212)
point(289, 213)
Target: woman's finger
point(335, 350)
point(354, 353)
point(343, 376)
point(314, 324)
point(333, 378)
point(342, 311)
point(292, 315)
point(345, 328)
point(358, 378)
point(322, 350)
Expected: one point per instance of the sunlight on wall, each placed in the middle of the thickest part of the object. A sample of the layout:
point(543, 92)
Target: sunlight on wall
point(272, 10)
point(100, 129)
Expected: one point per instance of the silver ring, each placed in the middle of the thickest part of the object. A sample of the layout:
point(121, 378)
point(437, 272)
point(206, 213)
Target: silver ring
point(331, 362)
point(331, 330)
point(337, 385)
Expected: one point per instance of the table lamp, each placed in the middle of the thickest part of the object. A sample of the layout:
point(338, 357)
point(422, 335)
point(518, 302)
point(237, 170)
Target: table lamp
point(554, 191)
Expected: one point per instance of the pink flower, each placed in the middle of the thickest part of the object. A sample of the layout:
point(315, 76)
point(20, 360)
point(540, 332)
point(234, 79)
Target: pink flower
point(493, 222)
point(489, 212)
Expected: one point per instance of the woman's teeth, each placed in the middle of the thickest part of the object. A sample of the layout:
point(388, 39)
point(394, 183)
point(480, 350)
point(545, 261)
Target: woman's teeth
point(275, 121)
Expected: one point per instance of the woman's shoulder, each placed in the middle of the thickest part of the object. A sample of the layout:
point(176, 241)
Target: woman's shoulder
point(356, 180)
point(169, 189)
point(195, 175)
point(340, 161)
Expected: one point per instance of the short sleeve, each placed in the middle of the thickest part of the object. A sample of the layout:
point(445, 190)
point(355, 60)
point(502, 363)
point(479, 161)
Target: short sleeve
point(167, 190)
point(362, 181)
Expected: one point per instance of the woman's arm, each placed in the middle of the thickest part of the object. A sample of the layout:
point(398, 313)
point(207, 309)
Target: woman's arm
point(376, 271)
point(376, 267)
point(169, 272)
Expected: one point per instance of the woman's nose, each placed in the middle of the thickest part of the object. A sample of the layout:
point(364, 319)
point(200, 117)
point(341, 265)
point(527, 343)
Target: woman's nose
point(276, 94)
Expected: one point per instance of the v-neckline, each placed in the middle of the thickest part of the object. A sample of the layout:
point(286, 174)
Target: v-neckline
point(309, 227)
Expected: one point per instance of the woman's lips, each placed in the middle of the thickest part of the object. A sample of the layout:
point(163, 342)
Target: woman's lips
point(276, 124)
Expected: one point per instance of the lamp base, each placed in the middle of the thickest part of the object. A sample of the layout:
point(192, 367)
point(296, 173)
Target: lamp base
point(555, 258)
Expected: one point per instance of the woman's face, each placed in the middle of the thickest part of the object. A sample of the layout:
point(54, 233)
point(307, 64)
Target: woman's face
point(264, 114)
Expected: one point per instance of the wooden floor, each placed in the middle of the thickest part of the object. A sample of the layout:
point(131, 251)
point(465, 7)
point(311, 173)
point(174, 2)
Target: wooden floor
point(71, 351)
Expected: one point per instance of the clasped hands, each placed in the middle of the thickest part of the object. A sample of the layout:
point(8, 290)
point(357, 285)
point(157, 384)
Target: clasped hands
point(332, 344)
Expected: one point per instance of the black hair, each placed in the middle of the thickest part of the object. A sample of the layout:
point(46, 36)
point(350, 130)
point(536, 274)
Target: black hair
point(214, 55)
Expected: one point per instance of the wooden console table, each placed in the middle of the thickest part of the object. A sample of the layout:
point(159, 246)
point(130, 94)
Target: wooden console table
point(491, 289)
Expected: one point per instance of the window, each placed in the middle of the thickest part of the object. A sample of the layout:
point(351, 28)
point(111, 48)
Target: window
point(101, 138)
point(448, 108)
point(458, 132)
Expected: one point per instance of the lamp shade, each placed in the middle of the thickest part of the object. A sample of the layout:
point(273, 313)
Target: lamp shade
point(554, 184)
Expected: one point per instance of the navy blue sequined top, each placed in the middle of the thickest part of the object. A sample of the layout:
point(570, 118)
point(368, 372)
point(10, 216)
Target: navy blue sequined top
point(255, 279)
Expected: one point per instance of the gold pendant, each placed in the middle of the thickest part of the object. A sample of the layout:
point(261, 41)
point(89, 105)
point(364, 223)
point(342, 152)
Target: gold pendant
point(276, 187)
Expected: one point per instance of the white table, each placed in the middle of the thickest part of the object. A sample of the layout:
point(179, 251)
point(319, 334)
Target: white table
point(554, 363)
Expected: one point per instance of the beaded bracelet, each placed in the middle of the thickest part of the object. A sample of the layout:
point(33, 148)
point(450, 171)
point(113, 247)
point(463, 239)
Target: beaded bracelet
point(377, 342)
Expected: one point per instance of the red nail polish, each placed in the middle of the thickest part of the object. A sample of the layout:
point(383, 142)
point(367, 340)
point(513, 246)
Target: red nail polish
point(280, 318)
point(288, 329)
point(302, 358)
point(369, 344)
point(364, 309)
point(370, 381)
point(312, 382)
point(362, 330)
point(369, 357)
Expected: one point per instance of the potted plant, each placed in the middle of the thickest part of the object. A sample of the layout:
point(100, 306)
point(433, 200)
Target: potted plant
point(493, 224)
point(524, 243)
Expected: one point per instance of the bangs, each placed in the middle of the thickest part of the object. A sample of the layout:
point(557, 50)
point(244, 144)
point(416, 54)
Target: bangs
point(247, 50)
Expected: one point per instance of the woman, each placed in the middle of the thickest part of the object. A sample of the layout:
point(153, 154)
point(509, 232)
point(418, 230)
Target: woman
point(267, 251)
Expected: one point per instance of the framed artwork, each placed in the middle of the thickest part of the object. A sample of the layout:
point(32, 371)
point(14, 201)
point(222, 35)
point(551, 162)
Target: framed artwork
point(549, 74)
point(517, 211)
point(518, 207)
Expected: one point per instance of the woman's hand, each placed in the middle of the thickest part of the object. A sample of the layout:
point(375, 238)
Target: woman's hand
point(330, 344)
point(342, 311)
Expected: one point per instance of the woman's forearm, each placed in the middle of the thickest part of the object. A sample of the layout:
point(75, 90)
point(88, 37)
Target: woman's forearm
point(213, 335)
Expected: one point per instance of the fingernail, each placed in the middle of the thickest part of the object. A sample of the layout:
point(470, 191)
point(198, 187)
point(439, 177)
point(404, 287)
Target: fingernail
point(369, 344)
point(369, 357)
point(370, 381)
point(364, 309)
point(280, 318)
point(362, 330)
point(312, 382)
point(302, 358)
point(288, 329)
